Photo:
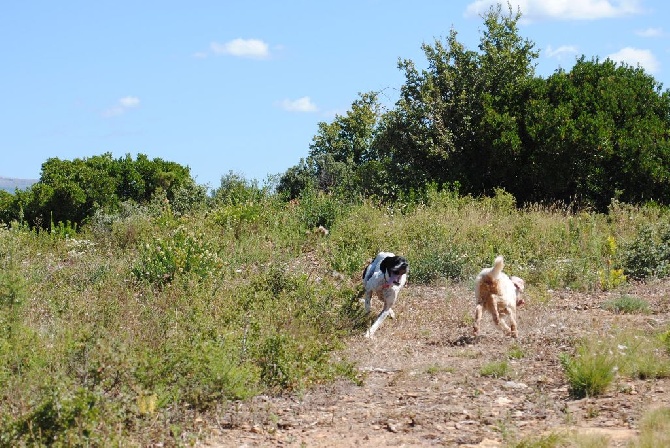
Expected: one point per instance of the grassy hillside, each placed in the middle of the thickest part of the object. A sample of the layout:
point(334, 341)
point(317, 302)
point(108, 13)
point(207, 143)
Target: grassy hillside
point(125, 332)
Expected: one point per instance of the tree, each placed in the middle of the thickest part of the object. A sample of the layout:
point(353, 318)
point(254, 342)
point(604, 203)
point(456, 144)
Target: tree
point(72, 190)
point(457, 120)
point(595, 133)
point(481, 121)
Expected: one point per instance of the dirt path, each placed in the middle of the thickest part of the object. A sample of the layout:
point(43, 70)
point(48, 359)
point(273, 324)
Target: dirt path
point(422, 386)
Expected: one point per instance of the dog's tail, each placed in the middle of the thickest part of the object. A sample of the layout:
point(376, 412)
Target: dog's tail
point(498, 265)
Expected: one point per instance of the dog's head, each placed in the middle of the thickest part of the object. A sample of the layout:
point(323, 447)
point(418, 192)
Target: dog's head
point(520, 285)
point(394, 267)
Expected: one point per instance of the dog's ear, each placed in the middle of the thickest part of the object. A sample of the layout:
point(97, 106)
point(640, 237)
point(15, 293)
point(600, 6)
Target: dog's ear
point(518, 283)
point(386, 264)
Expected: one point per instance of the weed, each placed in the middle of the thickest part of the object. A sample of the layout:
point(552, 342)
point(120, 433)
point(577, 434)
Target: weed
point(642, 355)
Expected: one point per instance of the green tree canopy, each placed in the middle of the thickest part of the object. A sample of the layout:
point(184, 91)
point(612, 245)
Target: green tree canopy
point(72, 190)
point(482, 121)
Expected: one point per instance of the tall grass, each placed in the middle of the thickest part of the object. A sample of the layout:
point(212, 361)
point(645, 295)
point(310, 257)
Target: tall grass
point(123, 332)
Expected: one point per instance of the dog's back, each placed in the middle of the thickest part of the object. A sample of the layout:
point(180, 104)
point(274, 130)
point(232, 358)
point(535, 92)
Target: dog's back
point(374, 265)
point(488, 281)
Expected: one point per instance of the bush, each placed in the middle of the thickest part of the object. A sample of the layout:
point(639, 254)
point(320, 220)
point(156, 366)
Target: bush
point(648, 255)
point(180, 253)
point(60, 419)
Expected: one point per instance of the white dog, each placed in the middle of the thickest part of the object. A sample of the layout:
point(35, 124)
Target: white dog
point(498, 294)
point(385, 276)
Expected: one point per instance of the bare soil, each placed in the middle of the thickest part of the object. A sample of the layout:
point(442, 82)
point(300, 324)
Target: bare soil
point(421, 381)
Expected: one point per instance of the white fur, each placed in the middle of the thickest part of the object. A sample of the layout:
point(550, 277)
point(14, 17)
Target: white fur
point(498, 294)
point(386, 287)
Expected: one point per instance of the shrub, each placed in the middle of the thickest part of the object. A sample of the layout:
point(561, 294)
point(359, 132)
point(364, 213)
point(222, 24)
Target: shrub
point(182, 252)
point(648, 255)
point(199, 372)
point(435, 264)
point(58, 420)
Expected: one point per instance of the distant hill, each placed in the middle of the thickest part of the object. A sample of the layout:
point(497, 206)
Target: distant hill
point(11, 184)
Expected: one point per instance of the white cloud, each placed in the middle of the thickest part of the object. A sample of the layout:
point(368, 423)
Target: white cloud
point(244, 48)
point(303, 104)
point(561, 52)
point(650, 32)
point(123, 104)
point(129, 102)
point(635, 56)
point(533, 10)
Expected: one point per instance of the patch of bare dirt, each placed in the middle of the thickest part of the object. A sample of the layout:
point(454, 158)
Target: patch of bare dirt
point(421, 381)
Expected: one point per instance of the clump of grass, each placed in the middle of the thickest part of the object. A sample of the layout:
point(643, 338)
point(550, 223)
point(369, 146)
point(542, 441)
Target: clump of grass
point(564, 439)
point(627, 304)
point(551, 440)
point(642, 356)
point(654, 430)
point(590, 371)
point(436, 368)
point(515, 352)
point(181, 252)
point(665, 340)
point(495, 369)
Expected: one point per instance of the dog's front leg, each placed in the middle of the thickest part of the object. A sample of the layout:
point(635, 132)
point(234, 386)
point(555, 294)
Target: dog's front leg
point(389, 300)
point(371, 331)
point(512, 320)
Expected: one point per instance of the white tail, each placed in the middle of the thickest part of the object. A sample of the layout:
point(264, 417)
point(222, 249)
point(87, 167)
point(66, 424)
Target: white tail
point(498, 265)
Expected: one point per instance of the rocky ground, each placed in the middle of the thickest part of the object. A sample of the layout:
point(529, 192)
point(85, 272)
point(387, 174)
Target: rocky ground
point(422, 382)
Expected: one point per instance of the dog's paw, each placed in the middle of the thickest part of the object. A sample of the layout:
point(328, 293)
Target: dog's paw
point(369, 335)
point(391, 314)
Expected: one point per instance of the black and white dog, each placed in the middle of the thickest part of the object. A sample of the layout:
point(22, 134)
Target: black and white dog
point(385, 276)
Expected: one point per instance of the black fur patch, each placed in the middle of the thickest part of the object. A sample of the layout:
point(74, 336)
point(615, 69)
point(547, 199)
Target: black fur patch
point(394, 265)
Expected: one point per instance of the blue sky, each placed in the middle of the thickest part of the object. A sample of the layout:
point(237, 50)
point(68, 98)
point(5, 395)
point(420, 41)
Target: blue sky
point(223, 86)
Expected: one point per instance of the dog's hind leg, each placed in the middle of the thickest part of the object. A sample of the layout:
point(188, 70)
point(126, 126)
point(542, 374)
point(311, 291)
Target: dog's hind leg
point(497, 319)
point(478, 317)
point(367, 297)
